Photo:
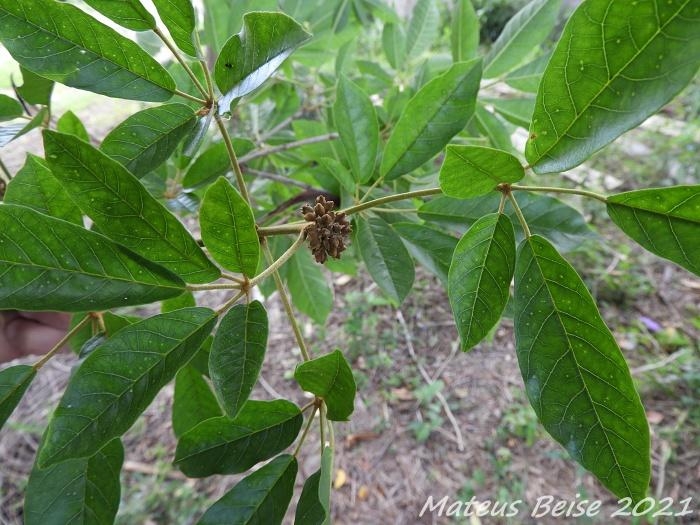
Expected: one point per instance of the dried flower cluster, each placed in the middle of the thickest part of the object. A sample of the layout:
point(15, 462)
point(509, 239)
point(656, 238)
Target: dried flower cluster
point(329, 233)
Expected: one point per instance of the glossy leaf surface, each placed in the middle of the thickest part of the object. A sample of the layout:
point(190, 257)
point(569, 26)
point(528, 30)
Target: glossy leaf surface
point(83, 491)
point(386, 258)
point(249, 58)
point(64, 44)
point(123, 209)
point(470, 171)
point(50, 264)
point(260, 498)
point(178, 16)
point(666, 221)
point(70, 123)
point(229, 446)
point(480, 275)
point(575, 375)
point(431, 118)
point(330, 378)
point(147, 138)
point(117, 381)
point(237, 354)
point(127, 13)
point(14, 382)
point(228, 229)
point(618, 70)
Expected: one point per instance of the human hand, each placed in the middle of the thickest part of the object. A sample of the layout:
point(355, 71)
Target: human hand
point(27, 333)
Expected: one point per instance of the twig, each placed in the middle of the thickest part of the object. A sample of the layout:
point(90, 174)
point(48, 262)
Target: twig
point(428, 379)
point(279, 262)
point(264, 152)
point(58, 346)
point(235, 163)
point(392, 198)
point(660, 364)
point(549, 189)
point(178, 57)
point(306, 431)
point(279, 178)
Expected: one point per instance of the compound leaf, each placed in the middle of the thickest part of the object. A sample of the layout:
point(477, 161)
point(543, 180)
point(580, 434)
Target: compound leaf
point(50, 264)
point(330, 378)
point(62, 43)
point(77, 491)
point(228, 229)
point(35, 186)
point(261, 497)
point(228, 446)
point(249, 58)
point(523, 33)
point(119, 379)
point(470, 171)
point(193, 401)
point(575, 375)
point(357, 125)
point(237, 354)
point(123, 209)
point(14, 382)
point(386, 258)
point(147, 138)
point(178, 16)
point(439, 111)
point(666, 221)
point(609, 72)
point(480, 275)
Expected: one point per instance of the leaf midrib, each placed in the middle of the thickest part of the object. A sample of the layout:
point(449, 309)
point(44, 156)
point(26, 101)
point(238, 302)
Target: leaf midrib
point(555, 308)
point(605, 86)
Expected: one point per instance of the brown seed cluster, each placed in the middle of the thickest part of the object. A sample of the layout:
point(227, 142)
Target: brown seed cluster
point(329, 232)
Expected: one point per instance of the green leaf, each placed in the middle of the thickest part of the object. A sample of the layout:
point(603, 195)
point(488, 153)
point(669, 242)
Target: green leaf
point(575, 375)
point(666, 221)
point(386, 258)
point(518, 111)
point(464, 34)
point(431, 247)
point(193, 401)
point(431, 118)
point(70, 123)
point(14, 382)
point(50, 264)
point(330, 378)
point(260, 498)
point(523, 33)
point(249, 58)
point(423, 28)
point(184, 300)
point(545, 215)
point(9, 108)
point(493, 127)
point(117, 381)
point(60, 42)
point(340, 173)
point(470, 171)
point(123, 209)
point(146, 139)
point(214, 162)
point(35, 89)
point(480, 275)
point(178, 16)
point(229, 446)
point(193, 141)
point(237, 354)
point(127, 13)
point(358, 127)
point(77, 491)
point(609, 72)
point(35, 186)
point(314, 503)
point(527, 78)
point(309, 289)
point(394, 44)
point(228, 229)
point(15, 130)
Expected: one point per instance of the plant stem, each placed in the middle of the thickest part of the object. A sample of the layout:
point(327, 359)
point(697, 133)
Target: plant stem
point(371, 188)
point(178, 57)
point(57, 347)
point(264, 152)
point(190, 97)
point(232, 156)
point(292, 227)
point(287, 306)
point(279, 178)
point(549, 189)
point(502, 204)
point(322, 426)
point(203, 287)
point(272, 269)
point(391, 198)
point(228, 304)
point(232, 278)
point(306, 431)
point(520, 215)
